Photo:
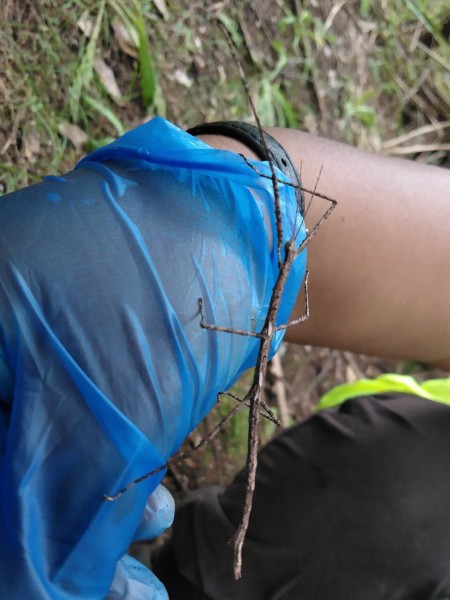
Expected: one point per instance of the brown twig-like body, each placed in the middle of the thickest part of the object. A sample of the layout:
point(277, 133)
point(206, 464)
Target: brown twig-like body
point(254, 397)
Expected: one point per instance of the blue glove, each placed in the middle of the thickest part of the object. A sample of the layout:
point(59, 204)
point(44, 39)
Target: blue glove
point(104, 368)
point(132, 580)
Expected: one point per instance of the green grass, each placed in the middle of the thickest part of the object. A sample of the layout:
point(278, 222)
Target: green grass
point(48, 63)
point(48, 73)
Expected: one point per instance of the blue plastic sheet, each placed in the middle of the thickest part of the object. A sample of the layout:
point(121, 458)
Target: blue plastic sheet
point(104, 368)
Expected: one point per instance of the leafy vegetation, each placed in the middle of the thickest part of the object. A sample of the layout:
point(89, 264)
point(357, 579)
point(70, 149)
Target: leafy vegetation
point(365, 76)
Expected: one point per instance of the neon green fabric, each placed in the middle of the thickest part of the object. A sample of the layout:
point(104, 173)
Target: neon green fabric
point(437, 390)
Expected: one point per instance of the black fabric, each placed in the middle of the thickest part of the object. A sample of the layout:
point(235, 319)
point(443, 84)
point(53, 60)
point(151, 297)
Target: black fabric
point(352, 504)
point(164, 563)
point(251, 136)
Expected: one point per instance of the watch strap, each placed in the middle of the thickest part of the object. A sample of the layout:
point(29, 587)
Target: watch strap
point(250, 135)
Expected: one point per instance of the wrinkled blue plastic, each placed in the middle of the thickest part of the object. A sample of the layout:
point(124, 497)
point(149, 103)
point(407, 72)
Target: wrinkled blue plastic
point(104, 368)
point(132, 580)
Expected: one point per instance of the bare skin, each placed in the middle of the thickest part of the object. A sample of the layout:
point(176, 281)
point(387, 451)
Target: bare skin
point(380, 267)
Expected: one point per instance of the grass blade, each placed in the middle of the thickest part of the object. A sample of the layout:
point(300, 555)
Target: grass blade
point(106, 112)
point(86, 69)
point(146, 68)
point(426, 22)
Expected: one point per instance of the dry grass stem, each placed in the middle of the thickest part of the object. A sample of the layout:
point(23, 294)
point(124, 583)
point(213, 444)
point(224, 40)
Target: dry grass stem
point(416, 148)
point(276, 389)
point(424, 130)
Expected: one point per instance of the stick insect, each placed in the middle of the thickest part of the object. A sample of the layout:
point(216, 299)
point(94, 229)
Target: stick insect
point(292, 250)
point(287, 254)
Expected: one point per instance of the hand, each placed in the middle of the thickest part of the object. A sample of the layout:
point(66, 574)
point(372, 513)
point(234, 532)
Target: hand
point(132, 579)
point(100, 275)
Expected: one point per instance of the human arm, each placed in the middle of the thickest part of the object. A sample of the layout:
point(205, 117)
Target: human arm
point(379, 277)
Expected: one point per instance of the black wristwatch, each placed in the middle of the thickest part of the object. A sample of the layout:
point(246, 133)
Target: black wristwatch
point(250, 135)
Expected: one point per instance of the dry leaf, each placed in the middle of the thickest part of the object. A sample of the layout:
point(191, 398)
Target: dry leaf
point(183, 78)
point(31, 145)
point(74, 134)
point(162, 8)
point(127, 40)
point(86, 24)
point(107, 77)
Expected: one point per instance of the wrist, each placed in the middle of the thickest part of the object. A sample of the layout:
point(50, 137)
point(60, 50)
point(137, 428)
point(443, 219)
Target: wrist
point(224, 142)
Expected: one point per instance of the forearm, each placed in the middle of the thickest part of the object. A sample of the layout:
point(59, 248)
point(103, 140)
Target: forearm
point(379, 267)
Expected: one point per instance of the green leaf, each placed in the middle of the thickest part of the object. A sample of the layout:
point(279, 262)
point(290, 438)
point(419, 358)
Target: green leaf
point(106, 112)
point(232, 29)
point(289, 114)
point(265, 105)
point(366, 114)
point(364, 8)
point(146, 68)
point(93, 143)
